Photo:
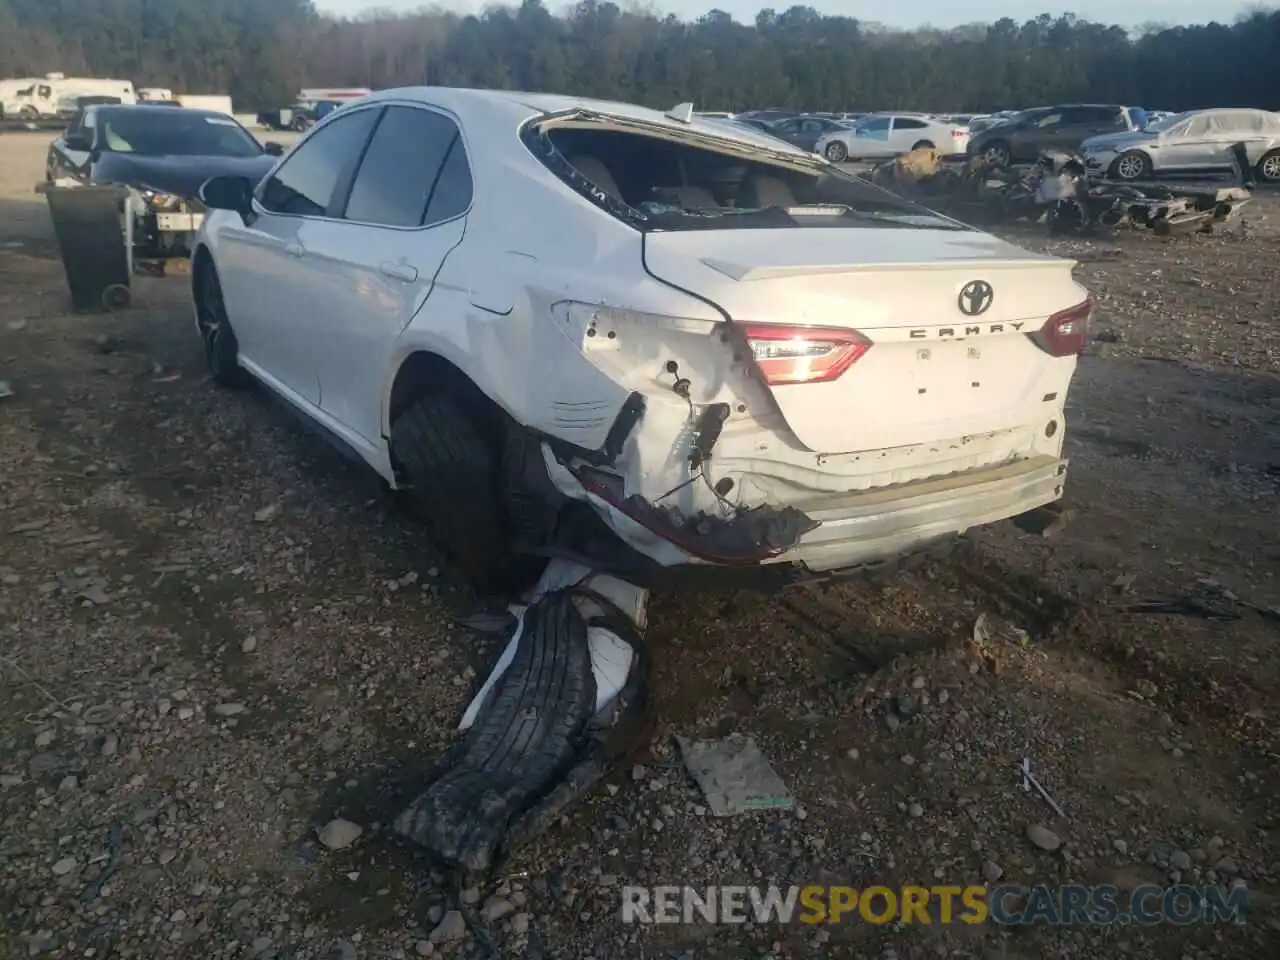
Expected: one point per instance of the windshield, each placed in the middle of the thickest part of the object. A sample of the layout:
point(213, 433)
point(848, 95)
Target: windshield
point(1167, 123)
point(656, 183)
point(175, 133)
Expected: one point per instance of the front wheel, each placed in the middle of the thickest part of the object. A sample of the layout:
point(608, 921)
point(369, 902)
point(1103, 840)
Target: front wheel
point(221, 349)
point(1133, 165)
point(29, 113)
point(1269, 167)
point(837, 152)
point(996, 154)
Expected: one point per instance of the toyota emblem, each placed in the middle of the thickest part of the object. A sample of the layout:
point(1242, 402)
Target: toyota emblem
point(976, 297)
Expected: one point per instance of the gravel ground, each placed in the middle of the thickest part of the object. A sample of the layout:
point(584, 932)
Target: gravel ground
point(216, 638)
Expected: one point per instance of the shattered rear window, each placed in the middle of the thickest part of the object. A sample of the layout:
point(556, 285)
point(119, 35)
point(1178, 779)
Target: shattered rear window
point(660, 183)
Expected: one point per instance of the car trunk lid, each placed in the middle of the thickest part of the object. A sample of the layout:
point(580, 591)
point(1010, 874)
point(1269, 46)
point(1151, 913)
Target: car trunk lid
point(928, 371)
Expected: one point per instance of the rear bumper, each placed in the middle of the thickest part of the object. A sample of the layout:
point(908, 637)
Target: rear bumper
point(856, 530)
point(875, 525)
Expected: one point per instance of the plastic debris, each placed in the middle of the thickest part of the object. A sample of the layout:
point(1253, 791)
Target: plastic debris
point(735, 776)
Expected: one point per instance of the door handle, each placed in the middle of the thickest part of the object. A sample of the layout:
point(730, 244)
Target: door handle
point(294, 249)
point(399, 271)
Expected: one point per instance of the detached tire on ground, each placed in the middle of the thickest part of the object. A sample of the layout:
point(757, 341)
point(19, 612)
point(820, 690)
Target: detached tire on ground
point(452, 472)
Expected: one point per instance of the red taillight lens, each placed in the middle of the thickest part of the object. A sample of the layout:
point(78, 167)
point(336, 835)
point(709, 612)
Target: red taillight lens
point(1066, 333)
point(959, 133)
point(787, 354)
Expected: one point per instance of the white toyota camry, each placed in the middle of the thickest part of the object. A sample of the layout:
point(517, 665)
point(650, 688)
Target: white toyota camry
point(575, 328)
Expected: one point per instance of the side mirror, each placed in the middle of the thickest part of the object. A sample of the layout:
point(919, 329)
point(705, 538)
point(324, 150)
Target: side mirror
point(228, 193)
point(273, 149)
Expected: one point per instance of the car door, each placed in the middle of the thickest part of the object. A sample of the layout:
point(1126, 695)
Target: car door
point(375, 266)
point(1191, 145)
point(810, 130)
point(270, 291)
point(1028, 139)
point(788, 130)
point(907, 132)
point(1229, 127)
point(1072, 128)
point(871, 138)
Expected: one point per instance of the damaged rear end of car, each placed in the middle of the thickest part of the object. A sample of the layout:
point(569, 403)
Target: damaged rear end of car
point(735, 355)
point(871, 376)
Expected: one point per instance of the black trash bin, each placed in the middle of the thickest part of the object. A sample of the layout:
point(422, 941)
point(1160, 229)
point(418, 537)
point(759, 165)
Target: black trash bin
point(92, 242)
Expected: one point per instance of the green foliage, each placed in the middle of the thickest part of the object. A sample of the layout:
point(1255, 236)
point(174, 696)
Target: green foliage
point(261, 51)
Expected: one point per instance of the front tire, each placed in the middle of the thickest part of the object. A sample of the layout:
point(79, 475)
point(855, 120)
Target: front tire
point(1268, 167)
point(1132, 165)
point(452, 474)
point(997, 154)
point(221, 349)
point(837, 152)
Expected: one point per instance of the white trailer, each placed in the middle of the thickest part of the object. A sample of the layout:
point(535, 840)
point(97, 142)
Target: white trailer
point(55, 95)
point(218, 103)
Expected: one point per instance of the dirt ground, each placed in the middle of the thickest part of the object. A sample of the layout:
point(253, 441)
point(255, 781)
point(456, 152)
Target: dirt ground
point(216, 636)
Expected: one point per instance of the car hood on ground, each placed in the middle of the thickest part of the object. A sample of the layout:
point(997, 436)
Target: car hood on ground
point(1118, 141)
point(181, 176)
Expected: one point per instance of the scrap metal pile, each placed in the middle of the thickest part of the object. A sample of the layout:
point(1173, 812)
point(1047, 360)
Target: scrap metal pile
point(1057, 191)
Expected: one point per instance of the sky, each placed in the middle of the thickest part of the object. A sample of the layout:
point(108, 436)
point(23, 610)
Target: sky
point(938, 13)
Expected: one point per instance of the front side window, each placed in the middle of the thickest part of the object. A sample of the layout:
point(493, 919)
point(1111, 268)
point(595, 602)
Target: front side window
point(1048, 121)
point(394, 184)
point(1198, 126)
point(304, 185)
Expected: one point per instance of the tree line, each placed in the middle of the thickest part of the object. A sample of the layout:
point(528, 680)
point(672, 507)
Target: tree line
point(263, 51)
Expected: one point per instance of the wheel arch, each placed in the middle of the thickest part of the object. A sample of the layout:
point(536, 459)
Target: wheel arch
point(422, 372)
point(200, 257)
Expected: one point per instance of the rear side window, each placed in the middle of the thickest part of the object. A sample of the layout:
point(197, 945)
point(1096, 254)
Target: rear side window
point(453, 189)
point(908, 123)
point(304, 184)
point(406, 158)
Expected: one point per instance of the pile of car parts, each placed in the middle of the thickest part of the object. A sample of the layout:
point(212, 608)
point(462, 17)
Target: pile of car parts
point(565, 699)
point(1058, 192)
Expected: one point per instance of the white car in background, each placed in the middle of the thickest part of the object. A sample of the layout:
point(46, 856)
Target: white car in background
point(1198, 141)
point(732, 354)
point(888, 135)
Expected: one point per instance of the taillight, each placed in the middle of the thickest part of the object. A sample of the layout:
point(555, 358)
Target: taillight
point(787, 354)
point(1066, 332)
point(959, 133)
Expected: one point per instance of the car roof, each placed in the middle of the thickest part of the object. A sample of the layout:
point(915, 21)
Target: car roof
point(145, 109)
point(476, 108)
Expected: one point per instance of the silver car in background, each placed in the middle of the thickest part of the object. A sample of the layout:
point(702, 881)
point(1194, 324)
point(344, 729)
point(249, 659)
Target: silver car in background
point(1196, 141)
